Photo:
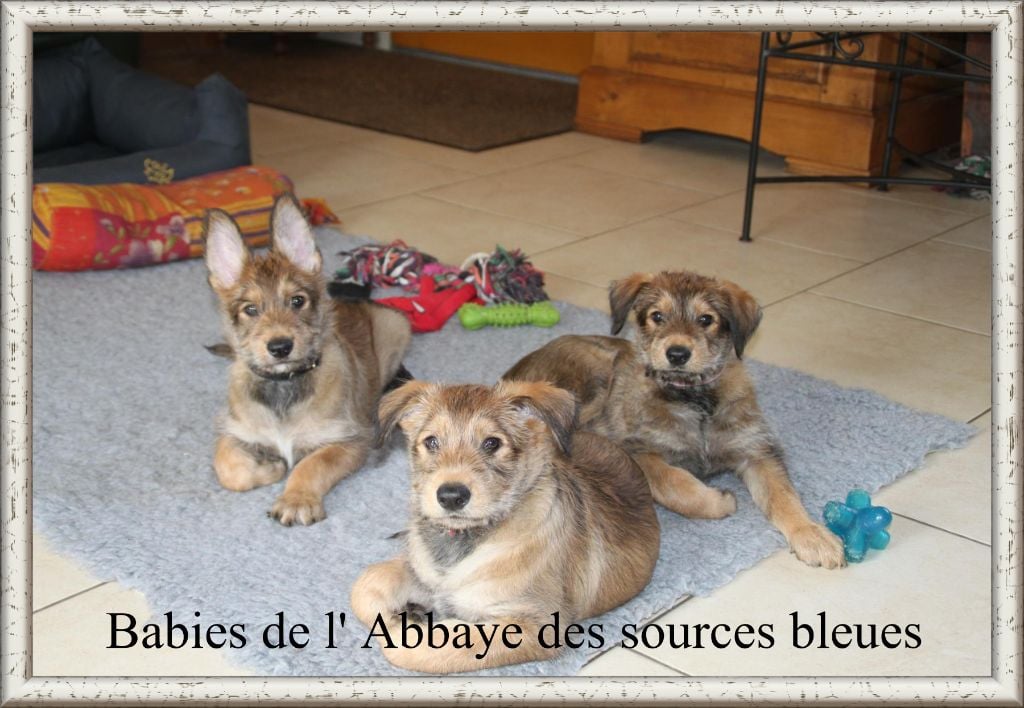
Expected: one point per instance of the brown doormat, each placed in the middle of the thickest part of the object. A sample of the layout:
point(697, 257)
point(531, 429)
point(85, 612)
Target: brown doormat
point(461, 106)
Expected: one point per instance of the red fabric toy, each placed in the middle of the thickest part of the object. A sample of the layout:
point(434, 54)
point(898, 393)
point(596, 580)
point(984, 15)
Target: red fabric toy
point(431, 308)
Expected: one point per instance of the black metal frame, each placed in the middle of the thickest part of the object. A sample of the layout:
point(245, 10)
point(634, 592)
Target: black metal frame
point(845, 49)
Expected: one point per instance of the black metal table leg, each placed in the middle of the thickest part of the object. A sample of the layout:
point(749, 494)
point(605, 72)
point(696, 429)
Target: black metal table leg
point(755, 137)
point(890, 131)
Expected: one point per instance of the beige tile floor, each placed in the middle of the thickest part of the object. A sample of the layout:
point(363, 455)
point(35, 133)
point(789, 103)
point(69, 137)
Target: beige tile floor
point(885, 291)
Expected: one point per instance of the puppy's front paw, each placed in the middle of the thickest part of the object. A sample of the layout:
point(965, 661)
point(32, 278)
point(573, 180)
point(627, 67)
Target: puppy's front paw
point(816, 546)
point(239, 472)
point(723, 504)
point(298, 508)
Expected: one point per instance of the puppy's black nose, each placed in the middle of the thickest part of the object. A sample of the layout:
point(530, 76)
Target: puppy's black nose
point(453, 496)
point(279, 347)
point(677, 356)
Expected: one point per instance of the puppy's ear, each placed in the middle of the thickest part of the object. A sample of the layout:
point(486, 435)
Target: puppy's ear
point(291, 235)
point(396, 405)
point(621, 295)
point(742, 314)
point(225, 252)
point(555, 406)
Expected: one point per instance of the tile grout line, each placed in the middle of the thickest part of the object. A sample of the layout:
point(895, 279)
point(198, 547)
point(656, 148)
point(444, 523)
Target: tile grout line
point(373, 202)
point(658, 661)
point(938, 239)
point(970, 218)
point(889, 198)
point(939, 528)
point(808, 249)
point(71, 596)
point(582, 237)
point(875, 194)
point(489, 173)
point(576, 280)
point(451, 202)
point(715, 195)
point(711, 196)
point(499, 171)
point(980, 415)
point(415, 192)
point(357, 143)
point(821, 252)
point(849, 257)
point(478, 210)
point(639, 222)
point(598, 171)
point(863, 265)
point(657, 616)
point(900, 314)
point(544, 251)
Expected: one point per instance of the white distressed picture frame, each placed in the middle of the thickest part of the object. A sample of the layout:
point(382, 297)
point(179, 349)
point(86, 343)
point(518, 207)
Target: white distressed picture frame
point(1002, 19)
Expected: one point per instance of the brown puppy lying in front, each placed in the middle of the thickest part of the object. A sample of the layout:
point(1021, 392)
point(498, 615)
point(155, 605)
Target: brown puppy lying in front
point(512, 518)
point(680, 401)
point(307, 372)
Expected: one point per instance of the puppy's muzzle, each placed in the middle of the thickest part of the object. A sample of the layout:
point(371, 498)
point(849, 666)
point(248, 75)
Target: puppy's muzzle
point(453, 497)
point(280, 347)
point(677, 355)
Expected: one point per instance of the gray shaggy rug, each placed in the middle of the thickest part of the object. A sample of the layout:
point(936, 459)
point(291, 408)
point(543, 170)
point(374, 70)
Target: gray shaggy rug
point(124, 400)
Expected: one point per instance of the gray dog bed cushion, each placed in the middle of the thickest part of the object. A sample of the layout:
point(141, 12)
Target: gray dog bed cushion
point(97, 120)
point(124, 399)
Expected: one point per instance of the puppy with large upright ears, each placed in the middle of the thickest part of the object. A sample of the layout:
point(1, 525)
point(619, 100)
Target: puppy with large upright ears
point(679, 400)
point(308, 371)
point(513, 517)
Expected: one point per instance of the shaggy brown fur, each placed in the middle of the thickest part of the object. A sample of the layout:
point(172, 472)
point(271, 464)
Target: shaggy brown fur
point(680, 402)
point(547, 522)
point(307, 372)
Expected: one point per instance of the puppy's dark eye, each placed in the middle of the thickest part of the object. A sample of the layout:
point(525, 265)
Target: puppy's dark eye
point(431, 443)
point(490, 444)
point(656, 317)
point(705, 320)
point(298, 301)
point(251, 310)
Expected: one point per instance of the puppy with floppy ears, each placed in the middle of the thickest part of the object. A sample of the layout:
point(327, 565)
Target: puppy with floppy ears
point(680, 401)
point(307, 372)
point(512, 518)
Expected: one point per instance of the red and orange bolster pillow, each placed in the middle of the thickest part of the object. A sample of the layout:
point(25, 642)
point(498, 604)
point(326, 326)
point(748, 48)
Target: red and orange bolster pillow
point(80, 227)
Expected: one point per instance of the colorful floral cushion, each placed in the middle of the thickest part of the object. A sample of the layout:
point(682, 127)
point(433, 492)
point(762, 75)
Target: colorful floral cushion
point(80, 227)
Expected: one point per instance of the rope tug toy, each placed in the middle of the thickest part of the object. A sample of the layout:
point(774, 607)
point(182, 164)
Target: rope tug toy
point(541, 314)
point(504, 276)
point(504, 279)
point(392, 265)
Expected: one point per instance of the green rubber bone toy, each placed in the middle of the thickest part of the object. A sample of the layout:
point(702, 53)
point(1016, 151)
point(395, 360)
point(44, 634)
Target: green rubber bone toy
point(541, 314)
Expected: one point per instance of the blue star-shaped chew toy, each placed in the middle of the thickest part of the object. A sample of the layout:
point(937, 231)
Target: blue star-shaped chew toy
point(859, 524)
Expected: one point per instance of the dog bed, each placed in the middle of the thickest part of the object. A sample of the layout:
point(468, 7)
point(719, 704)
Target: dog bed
point(100, 121)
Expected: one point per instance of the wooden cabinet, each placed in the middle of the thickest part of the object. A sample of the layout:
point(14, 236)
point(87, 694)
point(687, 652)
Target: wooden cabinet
point(822, 118)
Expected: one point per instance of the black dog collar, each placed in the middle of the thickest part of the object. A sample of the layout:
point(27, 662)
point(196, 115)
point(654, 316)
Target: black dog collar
point(699, 381)
point(288, 375)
